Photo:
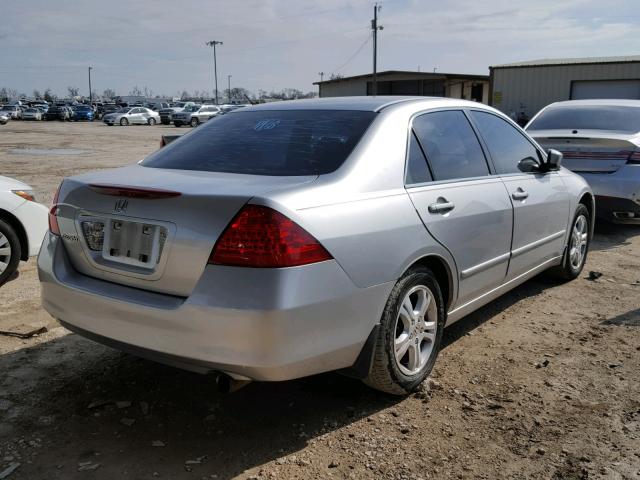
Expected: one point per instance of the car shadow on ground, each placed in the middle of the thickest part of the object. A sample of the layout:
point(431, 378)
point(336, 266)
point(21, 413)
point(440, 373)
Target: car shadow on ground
point(611, 235)
point(91, 403)
point(629, 319)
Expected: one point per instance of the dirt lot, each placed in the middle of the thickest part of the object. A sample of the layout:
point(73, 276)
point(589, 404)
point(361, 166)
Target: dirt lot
point(543, 383)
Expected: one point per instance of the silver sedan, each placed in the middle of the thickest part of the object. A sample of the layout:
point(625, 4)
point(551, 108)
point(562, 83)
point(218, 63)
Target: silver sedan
point(132, 116)
point(289, 239)
point(600, 140)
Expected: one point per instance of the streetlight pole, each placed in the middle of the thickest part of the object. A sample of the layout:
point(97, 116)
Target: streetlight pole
point(213, 43)
point(229, 86)
point(90, 92)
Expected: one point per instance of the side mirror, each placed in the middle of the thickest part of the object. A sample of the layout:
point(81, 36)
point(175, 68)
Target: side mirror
point(554, 160)
point(529, 165)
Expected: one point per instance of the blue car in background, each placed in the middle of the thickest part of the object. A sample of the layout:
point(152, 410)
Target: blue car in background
point(82, 112)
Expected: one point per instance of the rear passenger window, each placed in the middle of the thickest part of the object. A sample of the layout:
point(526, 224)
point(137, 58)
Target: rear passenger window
point(417, 169)
point(451, 146)
point(506, 145)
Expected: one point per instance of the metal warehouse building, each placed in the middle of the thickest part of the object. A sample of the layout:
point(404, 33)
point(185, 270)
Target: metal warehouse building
point(396, 82)
point(530, 86)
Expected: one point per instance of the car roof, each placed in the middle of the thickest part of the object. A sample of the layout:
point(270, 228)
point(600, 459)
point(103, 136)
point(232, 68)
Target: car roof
point(363, 103)
point(598, 102)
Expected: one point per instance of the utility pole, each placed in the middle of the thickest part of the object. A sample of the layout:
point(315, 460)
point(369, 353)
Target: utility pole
point(375, 28)
point(321, 75)
point(213, 43)
point(229, 86)
point(90, 93)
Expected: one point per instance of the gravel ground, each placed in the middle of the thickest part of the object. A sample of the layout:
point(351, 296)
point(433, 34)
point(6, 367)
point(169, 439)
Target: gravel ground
point(542, 383)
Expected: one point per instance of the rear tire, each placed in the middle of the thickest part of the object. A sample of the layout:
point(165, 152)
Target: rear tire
point(177, 124)
point(575, 255)
point(409, 339)
point(152, 121)
point(124, 122)
point(195, 122)
point(10, 251)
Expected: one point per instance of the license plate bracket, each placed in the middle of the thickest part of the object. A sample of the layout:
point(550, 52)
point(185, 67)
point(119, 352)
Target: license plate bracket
point(133, 243)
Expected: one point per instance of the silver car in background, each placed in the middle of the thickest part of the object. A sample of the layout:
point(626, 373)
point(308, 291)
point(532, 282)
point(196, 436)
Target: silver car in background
point(600, 140)
point(293, 238)
point(132, 116)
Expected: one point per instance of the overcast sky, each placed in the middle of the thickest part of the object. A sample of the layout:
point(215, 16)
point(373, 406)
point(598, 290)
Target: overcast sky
point(274, 44)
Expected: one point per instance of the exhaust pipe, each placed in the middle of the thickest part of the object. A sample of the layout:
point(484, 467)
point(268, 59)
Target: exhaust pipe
point(228, 384)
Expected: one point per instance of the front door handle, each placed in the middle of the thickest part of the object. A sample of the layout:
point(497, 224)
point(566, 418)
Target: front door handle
point(519, 194)
point(441, 206)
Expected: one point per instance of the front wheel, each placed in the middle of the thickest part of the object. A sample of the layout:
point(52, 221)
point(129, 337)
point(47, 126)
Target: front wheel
point(152, 121)
point(410, 334)
point(10, 251)
point(576, 254)
point(124, 122)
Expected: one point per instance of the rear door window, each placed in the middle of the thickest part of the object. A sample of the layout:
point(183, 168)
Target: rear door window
point(417, 169)
point(452, 148)
point(268, 142)
point(506, 144)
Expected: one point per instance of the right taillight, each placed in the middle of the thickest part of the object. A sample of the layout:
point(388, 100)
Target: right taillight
point(634, 158)
point(53, 214)
point(262, 237)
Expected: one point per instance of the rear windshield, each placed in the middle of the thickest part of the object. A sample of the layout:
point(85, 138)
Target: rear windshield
point(284, 143)
point(622, 119)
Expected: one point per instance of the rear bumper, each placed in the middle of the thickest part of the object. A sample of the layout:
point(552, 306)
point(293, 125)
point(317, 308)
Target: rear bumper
point(264, 324)
point(617, 194)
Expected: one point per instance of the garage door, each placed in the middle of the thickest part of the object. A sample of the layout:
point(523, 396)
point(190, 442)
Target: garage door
point(588, 89)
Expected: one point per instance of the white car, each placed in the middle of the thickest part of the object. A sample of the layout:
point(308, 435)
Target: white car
point(23, 223)
point(132, 115)
point(600, 140)
point(32, 114)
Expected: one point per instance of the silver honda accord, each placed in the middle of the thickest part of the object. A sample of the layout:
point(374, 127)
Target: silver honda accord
point(293, 238)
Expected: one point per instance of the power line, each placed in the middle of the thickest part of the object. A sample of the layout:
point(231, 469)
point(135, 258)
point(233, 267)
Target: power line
point(355, 54)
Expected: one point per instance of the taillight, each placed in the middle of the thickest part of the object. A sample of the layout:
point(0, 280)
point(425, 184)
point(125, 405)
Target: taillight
point(634, 158)
point(53, 214)
point(262, 237)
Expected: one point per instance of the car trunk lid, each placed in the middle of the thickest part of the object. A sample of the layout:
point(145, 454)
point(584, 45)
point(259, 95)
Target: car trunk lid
point(152, 228)
point(588, 150)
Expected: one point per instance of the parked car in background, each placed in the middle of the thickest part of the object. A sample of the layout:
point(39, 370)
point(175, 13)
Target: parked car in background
point(53, 113)
point(195, 115)
point(32, 114)
point(132, 116)
point(285, 240)
point(600, 140)
point(13, 111)
point(43, 107)
point(109, 108)
point(166, 114)
point(83, 112)
point(23, 224)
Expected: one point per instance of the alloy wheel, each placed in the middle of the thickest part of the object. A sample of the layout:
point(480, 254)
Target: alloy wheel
point(415, 330)
point(5, 253)
point(579, 240)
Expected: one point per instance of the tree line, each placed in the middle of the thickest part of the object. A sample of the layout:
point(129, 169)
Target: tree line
point(235, 94)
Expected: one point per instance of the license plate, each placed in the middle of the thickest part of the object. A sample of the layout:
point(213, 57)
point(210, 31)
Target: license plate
point(133, 243)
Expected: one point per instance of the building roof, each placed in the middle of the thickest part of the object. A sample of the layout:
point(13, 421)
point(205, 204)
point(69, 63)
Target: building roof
point(545, 62)
point(423, 75)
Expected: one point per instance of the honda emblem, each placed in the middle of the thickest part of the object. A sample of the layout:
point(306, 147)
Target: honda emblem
point(121, 206)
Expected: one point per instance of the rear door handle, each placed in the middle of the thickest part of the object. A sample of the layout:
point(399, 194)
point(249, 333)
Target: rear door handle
point(441, 206)
point(519, 194)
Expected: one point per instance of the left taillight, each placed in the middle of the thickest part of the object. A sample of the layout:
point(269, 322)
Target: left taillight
point(261, 237)
point(53, 214)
